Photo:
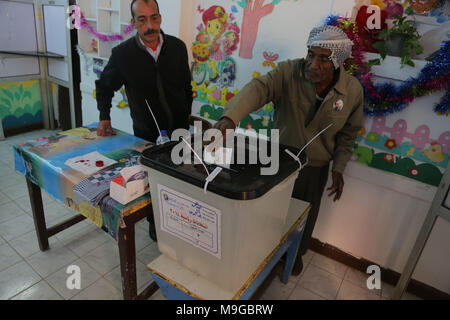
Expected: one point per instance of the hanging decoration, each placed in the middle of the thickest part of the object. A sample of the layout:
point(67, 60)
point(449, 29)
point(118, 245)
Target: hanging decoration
point(84, 24)
point(385, 98)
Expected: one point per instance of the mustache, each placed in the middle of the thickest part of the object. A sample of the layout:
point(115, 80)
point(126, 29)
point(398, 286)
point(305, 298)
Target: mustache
point(150, 31)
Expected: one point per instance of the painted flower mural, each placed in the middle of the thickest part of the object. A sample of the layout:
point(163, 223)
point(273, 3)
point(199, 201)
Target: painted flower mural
point(390, 144)
point(20, 104)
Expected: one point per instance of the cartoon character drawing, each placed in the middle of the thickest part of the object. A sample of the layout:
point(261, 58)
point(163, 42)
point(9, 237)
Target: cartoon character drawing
point(435, 153)
point(228, 74)
point(215, 20)
point(217, 38)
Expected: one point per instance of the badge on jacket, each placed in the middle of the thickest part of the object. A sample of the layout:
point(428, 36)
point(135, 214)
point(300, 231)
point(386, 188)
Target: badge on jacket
point(338, 105)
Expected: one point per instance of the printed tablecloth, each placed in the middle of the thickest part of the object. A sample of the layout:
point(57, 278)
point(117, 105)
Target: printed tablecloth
point(63, 165)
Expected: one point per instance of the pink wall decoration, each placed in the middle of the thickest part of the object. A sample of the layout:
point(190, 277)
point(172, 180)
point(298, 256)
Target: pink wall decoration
point(253, 13)
point(420, 138)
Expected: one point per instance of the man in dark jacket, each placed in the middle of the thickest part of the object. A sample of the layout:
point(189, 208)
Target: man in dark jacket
point(154, 68)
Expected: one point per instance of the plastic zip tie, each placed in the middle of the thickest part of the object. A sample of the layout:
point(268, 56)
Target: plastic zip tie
point(211, 177)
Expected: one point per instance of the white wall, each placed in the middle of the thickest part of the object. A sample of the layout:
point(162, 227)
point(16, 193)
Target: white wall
point(171, 13)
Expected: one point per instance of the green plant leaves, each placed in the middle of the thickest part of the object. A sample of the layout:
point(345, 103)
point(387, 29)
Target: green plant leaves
point(404, 28)
point(8, 94)
point(6, 102)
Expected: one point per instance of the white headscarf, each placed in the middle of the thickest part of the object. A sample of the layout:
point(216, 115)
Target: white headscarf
point(334, 39)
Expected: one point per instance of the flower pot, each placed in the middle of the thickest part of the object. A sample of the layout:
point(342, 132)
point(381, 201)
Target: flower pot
point(394, 45)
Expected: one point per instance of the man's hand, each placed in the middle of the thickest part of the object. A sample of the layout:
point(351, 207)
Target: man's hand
point(223, 125)
point(104, 128)
point(337, 186)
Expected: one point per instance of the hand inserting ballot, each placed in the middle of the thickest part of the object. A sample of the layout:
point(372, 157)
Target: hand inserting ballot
point(223, 125)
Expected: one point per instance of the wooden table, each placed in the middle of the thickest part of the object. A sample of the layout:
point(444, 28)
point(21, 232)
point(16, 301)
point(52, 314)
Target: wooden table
point(41, 161)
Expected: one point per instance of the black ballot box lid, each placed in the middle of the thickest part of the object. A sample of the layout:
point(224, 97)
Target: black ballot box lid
point(240, 181)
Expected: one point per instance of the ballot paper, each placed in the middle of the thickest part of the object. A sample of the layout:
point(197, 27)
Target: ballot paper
point(90, 163)
point(221, 157)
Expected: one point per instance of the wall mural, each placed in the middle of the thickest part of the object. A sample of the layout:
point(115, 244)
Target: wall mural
point(20, 104)
point(219, 40)
point(226, 43)
point(397, 149)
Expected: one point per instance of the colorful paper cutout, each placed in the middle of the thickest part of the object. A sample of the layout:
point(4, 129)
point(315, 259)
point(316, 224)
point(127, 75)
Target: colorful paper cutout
point(254, 11)
point(404, 166)
point(402, 149)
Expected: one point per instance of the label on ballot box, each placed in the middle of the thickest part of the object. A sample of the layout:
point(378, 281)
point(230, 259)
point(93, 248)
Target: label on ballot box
point(190, 220)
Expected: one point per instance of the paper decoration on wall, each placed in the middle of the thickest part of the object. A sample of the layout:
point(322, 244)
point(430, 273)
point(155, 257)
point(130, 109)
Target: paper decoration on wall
point(404, 166)
point(218, 37)
point(124, 102)
point(263, 118)
point(382, 99)
point(270, 59)
point(98, 66)
point(441, 12)
point(82, 23)
point(393, 7)
point(413, 155)
point(212, 94)
point(417, 145)
point(88, 62)
point(423, 6)
point(254, 11)
point(20, 104)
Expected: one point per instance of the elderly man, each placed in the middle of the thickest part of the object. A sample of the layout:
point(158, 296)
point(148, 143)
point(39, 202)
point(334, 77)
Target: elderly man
point(310, 94)
point(154, 68)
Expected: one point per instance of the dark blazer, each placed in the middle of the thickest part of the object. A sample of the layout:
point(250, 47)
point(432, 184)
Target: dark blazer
point(165, 84)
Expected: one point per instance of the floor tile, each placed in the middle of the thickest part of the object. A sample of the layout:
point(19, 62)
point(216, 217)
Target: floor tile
point(3, 198)
point(24, 202)
point(308, 256)
point(350, 291)
point(100, 290)
point(158, 295)
point(40, 291)
point(300, 293)
point(16, 279)
point(8, 257)
point(104, 258)
point(148, 254)
point(330, 265)
point(85, 240)
point(142, 239)
point(47, 262)
point(16, 191)
point(75, 229)
point(9, 210)
point(360, 279)
point(58, 280)
point(11, 179)
point(16, 227)
point(144, 277)
point(5, 169)
point(27, 244)
point(387, 290)
point(277, 290)
point(55, 211)
point(320, 282)
point(410, 296)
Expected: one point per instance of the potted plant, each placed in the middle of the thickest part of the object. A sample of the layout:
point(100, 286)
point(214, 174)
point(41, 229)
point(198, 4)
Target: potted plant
point(402, 40)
